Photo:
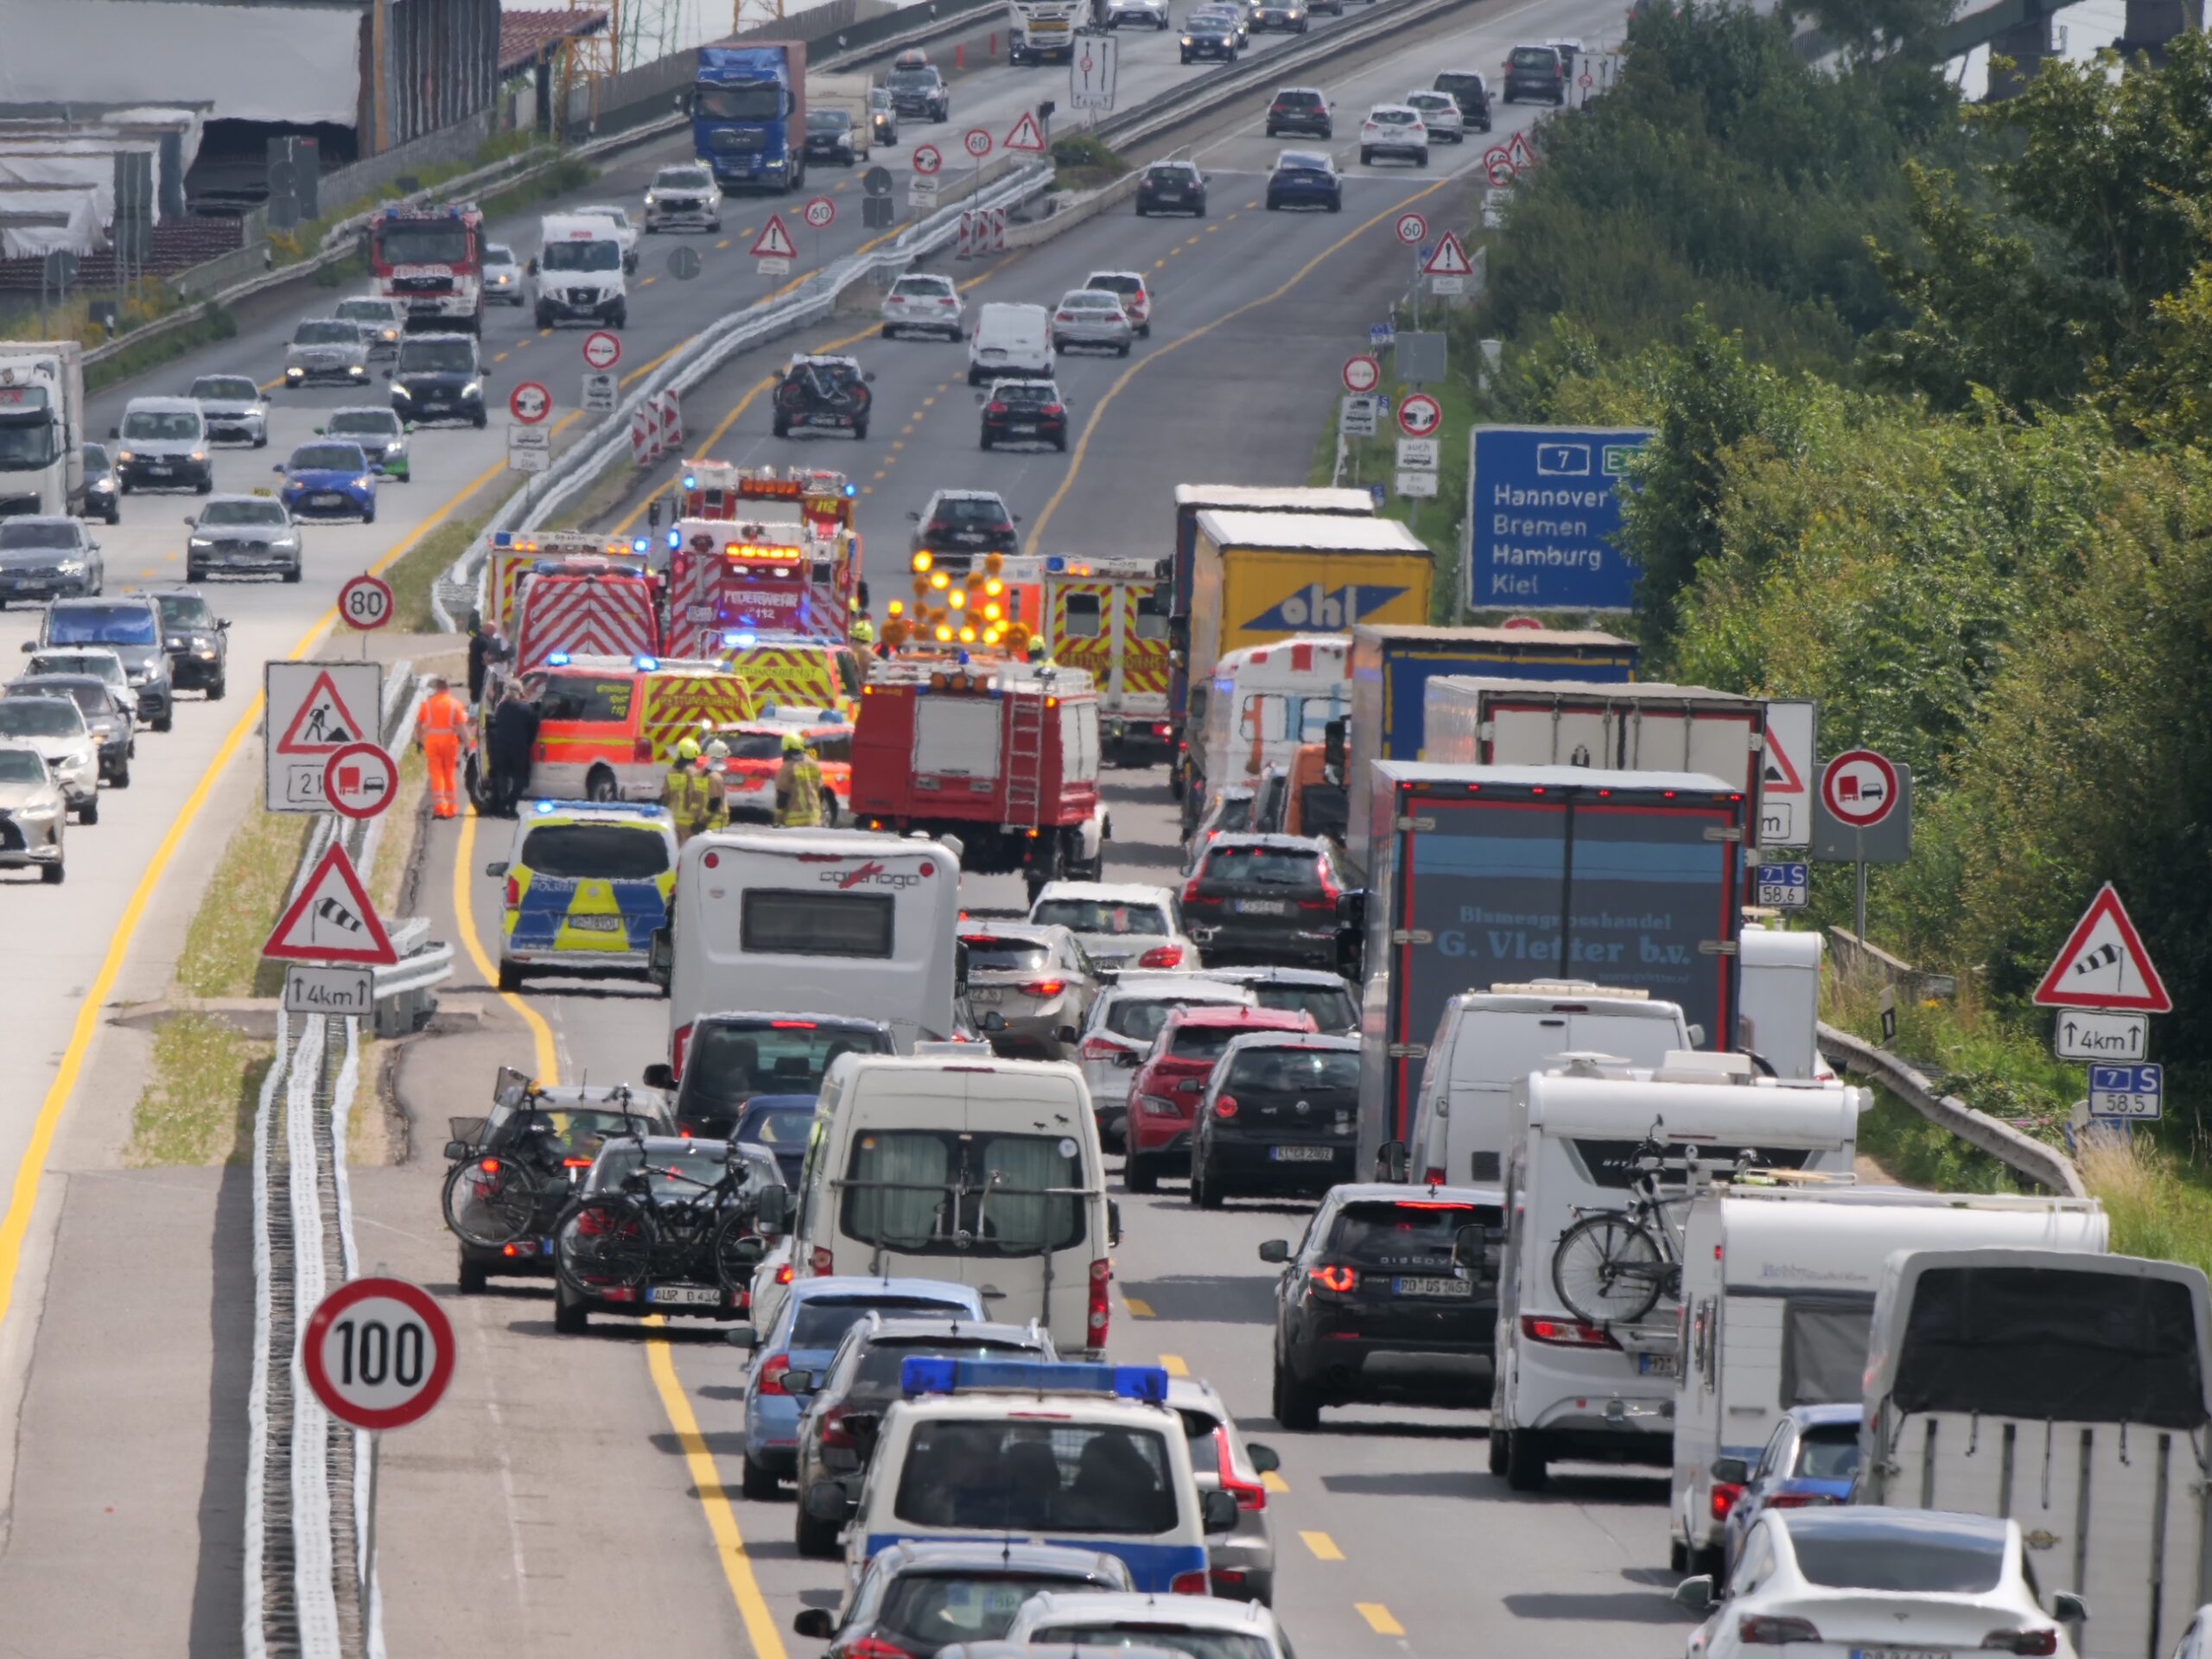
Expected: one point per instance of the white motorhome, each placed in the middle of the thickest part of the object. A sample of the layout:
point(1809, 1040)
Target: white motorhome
point(577, 275)
point(982, 1170)
point(1261, 703)
point(1778, 1012)
point(1569, 1384)
point(1777, 1290)
point(1489, 1040)
point(820, 921)
point(2071, 1392)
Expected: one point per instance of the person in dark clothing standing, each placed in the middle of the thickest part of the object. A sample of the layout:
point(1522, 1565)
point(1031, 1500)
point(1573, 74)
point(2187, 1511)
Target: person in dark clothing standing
point(485, 648)
point(513, 734)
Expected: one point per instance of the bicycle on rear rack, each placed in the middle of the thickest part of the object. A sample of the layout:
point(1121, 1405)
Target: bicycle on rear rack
point(619, 1240)
point(1613, 1266)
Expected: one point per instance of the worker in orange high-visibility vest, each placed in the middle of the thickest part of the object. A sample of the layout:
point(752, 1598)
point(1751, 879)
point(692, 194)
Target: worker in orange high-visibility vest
point(442, 730)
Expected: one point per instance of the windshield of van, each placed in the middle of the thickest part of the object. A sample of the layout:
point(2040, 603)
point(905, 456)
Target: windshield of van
point(990, 1475)
point(572, 697)
point(728, 1063)
point(955, 1192)
point(784, 922)
point(604, 852)
point(583, 256)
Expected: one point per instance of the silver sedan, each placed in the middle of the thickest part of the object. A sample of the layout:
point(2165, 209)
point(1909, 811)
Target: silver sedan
point(1092, 317)
point(1030, 986)
point(32, 806)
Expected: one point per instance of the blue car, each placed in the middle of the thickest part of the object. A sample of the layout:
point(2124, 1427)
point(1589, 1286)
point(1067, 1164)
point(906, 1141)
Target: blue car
point(1810, 1460)
point(1305, 178)
point(779, 1125)
point(814, 1320)
point(330, 481)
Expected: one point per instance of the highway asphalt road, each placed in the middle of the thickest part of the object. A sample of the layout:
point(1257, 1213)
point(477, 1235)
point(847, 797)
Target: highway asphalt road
point(1257, 311)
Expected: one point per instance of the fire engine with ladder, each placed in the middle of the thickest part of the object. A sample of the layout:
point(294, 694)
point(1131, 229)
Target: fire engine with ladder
point(1004, 755)
point(750, 549)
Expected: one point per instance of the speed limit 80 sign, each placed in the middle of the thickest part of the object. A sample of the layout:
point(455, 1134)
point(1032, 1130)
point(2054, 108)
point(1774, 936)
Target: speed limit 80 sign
point(378, 1353)
point(364, 602)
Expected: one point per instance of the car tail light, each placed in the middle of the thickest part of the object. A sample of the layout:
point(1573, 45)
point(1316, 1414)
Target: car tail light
point(1054, 408)
point(2045, 1641)
point(514, 893)
point(823, 1261)
point(1800, 1500)
point(785, 1274)
point(873, 1647)
point(1330, 891)
point(995, 408)
point(938, 527)
point(575, 1163)
point(1726, 1494)
point(1225, 1107)
point(1064, 316)
point(1250, 1495)
point(1162, 955)
point(1100, 1312)
point(833, 1427)
point(1192, 896)
point(676, 1048)
point(1100, 1048)
point(1431, 1177)
point(1774, 1629)
point(946, 299)
point(1341, 1280)
point(1565, 1333)
point(1163, 729)
point(1044, 987)
point(1190, 1584)
point(771, 1374)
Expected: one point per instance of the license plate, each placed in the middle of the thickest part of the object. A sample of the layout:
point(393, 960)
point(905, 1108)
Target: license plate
point(1900, 1653)
point(1302, 1155)
point(330, 500)
point(1262, 907)
point(1662, 1365)
point(1024, 429)
point(596, 923)
point(985, 993)
point(159, 472)
point(825, 420)
point(1421, 1287)
point(684, 1295)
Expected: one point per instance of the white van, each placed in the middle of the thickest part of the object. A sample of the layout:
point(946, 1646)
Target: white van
point(1778, 1006)
point(1008, 341)
point(577, 275)
point(982, 1171)
point(1262, 703)
point(1777, 1290)
point(813, 921)
point(1489, 1040)
point(1572, 1386)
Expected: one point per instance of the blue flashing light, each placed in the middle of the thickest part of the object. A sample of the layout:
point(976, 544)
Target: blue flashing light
point(924, 1375)
point(852, 490)
point(638, 545)
point(736, 641)
point(556, 659)
point(503, 538)
point(772, 711)
point(690, 483)
point(647, 664)
point(1056, 564)
point(545, 806)
point(674, 540)
point(964, 659)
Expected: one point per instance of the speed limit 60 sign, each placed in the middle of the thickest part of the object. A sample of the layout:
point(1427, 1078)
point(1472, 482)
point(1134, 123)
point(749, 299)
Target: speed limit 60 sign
point(378, 1352)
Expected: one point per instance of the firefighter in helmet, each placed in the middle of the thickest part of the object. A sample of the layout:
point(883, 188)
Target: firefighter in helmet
point(798, 785)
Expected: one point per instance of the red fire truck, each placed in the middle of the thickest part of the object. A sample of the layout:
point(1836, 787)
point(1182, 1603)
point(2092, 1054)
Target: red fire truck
point(1003, 755)
point(750, 549)
point(584, 608)
point(431, 260)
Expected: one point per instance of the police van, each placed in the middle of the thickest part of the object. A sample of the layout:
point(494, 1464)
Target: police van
point(1086, 1456)
point(586, 887)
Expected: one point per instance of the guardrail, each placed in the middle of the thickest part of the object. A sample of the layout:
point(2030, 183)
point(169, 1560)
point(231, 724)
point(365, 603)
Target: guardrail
point(2033, 1160)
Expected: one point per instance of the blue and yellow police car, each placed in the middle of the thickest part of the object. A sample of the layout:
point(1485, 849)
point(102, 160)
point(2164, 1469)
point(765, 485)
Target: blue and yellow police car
point(586, 884)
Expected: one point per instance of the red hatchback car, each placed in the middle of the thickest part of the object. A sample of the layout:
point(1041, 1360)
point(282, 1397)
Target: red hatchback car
point(1164, 1093)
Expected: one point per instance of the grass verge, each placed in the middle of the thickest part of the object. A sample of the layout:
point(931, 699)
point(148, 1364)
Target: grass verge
point(222, 946)
point(199, 1107)
point(417, 571)
point(213, 323)
point(2158, 1206)
point(1081, 162)
point(389, 874)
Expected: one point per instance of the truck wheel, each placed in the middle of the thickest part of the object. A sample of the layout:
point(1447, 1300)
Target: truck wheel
point(599, 785)
point(1526, 1466)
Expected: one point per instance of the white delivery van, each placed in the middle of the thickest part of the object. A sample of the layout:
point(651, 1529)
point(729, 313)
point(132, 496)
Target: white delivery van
point(577, 275)
point(813, 921)
point(1596, 1381)
point(1489, 1040)
point(982, 1170)
point(2071, 1392)
point(1010, 342)
point(1778, 1006)
point(1777, 1289)
point(1262, 703)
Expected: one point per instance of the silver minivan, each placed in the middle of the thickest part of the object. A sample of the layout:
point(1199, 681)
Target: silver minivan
point(161, 444)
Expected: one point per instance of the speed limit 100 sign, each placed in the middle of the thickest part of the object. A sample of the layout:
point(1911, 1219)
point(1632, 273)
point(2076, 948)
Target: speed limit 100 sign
point(378, 1353)
point(364, 602)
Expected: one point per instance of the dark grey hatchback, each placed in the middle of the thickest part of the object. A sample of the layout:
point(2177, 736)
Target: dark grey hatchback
point(1172, 187)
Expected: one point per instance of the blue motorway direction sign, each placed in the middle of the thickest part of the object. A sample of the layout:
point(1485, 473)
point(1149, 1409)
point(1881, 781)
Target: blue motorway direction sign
point(1544, 515)
point(2136, 1092)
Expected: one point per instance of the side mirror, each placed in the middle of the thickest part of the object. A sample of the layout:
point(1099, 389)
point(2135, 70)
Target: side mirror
point(1392, 1160)
point(745, 1336)
point(869, 377)
point(1217, 1508)
point(407, 426)
point(916, 517)
point(1696, 1593)
point(2067, 1608)
point(191, 522)
point(772, 1211)
point(1697, 1036)
point(660, 1075)
point(30, 644)
point(1265, 1459)
point(497, 869)
point(115, 431)
point(278, 467)
point(1275, 1249)
point(322, 431)
point(826, 1501)
point(816, 1624)
point(455, 1151)
point(530, 268)
point(387, 374)
point(222, 624)
point(1735, 1472)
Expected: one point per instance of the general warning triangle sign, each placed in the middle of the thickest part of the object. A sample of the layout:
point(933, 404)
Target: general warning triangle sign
point(1450, 258)
point(1026, 135)
point(774, 242)
point(332, 920)
point(2103, 965)
point(1781, 774)
point(323, 724)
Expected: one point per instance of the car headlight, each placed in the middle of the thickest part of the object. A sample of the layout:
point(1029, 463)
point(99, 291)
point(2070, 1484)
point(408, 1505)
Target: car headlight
point(40, 814)
point(70, 567)
point(356, 368)
point(1187, 41)
point(364, 482)
point(473, 389)
point(649, 198)
point(203, 541)
point(398, 391)
point(125, 457)
point(175, 643)
point(293, 372)
point(197, 455)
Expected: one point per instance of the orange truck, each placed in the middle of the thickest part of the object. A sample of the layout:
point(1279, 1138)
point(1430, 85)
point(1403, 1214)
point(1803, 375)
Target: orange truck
point(607, 727)
point(1108, 617)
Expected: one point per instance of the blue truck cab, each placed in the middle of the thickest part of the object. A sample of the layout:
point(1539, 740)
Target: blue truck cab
point(749, 114)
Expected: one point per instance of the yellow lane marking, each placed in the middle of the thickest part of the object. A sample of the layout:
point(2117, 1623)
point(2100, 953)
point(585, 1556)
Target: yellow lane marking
point(926, 401)
point(721, 1520)
point(1138, 1308)
point(1378, 1619)
point(725, 241)
point(1324, 1547)
point(542, 332)
point(1099, 409)
point(464, 868)
point(898, 443)
point(649, 281)
point(22, 1197)
point(499, 357)
point(905, 429)
point(1274, 1481)
point(1173, 1365)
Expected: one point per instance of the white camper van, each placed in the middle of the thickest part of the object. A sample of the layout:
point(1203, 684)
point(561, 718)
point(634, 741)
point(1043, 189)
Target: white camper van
point(2071, 1392)
point(1777, 1288)
point(979, 1170)
point(1587, 1360)
point(814, 921)
point(1489, 1040)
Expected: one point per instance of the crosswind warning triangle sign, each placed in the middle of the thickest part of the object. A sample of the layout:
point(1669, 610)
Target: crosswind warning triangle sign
point(323, 723)
point(1781, 775)
point(332, 920)
point(1027, 135)
point(2103, 965)
point(774, 242)
point(1450, 259)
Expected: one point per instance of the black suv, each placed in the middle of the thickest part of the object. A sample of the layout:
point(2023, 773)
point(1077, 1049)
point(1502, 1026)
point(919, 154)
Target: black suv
point(1025, 411)
point(824, 393)
point(1535, 72)
point(1280, 1113)
point(1172, 187)
point(438, 377)
point(918, 90)
point(1264, 899)
point(1471, 92)
point(197, 640)
point(961, 525)
point(1301, 110)
point(730, 1057)
point(1378, 1274)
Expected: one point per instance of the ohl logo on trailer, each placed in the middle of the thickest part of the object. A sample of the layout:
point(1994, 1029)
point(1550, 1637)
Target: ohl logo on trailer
point(1329, 609)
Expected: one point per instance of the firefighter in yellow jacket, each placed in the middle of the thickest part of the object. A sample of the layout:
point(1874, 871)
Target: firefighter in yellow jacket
point(798, 785)
point(683, 791)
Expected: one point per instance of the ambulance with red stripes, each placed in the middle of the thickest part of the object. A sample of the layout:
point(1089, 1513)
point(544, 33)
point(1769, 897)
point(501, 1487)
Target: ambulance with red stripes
point(1260, 706)
point(607, 727)
point(1108, 617)
point(513, 552)
point(584, 608)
